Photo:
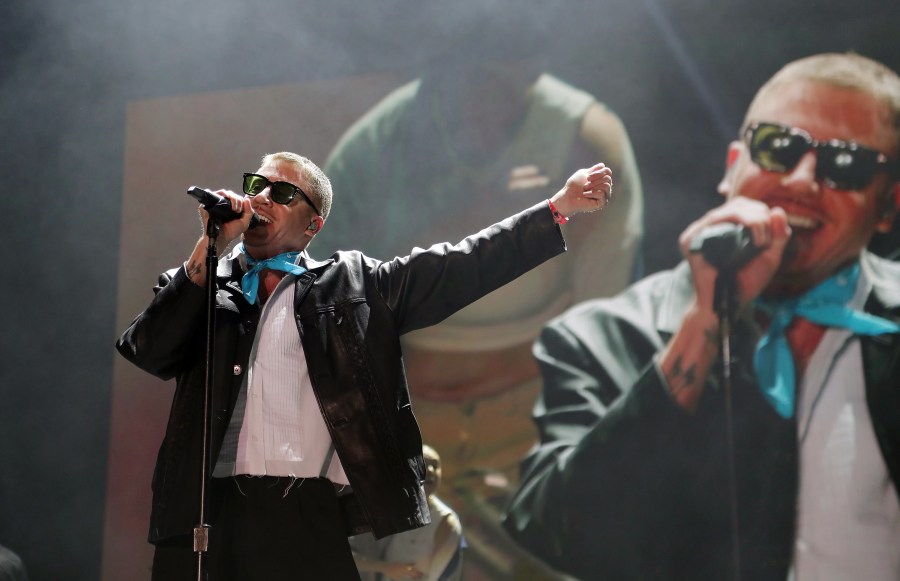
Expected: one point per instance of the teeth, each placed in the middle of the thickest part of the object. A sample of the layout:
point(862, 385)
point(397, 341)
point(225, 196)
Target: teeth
point(263, 219)
point(801, 222)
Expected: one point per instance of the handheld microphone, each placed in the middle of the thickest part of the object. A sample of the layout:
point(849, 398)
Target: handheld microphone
point(218, 207)
point(726, 246)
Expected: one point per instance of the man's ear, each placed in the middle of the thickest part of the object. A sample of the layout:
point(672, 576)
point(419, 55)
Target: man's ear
point(315, 225)
point(889, 211)
point(734, 152)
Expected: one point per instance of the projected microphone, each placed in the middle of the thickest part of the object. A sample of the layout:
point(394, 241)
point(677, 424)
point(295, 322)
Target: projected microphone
point(218, 206)
point(726, 246)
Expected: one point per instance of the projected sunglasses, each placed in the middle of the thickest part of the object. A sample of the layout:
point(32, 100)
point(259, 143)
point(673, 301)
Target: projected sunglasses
point(281, 192)
point(843, 165)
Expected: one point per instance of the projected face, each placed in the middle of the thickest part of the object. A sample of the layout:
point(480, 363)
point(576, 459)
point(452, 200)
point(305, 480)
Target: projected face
point(283, 228)
point(477, 105)
point(830, 225)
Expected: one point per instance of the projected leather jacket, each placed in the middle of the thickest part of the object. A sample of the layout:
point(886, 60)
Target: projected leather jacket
point(626, 484)
point(350, 311)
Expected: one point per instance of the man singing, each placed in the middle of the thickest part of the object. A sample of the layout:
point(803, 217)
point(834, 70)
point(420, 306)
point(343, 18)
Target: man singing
point(312, 434)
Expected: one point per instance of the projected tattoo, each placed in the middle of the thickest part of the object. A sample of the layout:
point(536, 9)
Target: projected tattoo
point(193, 268)
point(681, 379)
point(712, 335)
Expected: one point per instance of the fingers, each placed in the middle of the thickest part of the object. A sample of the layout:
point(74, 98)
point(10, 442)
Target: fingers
point(770, 232)
point(238, 202)
point(587, 190)
point(232, 228)
point(764, 223)
point(781, 230)
point(599, 183)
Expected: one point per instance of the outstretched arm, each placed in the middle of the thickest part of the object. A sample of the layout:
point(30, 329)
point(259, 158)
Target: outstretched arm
point(429, 285)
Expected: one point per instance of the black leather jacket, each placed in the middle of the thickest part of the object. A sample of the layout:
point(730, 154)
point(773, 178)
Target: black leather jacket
point(350, 311)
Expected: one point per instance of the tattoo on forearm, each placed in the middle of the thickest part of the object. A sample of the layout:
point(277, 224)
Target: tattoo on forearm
point(681, 379)
point(193, 268)
point(712, 335)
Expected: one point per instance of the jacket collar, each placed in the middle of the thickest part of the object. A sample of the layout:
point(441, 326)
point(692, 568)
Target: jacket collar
point(313, 264)
point(884, 275)
point(229, 271)
point(233, 265)
point(881, 363)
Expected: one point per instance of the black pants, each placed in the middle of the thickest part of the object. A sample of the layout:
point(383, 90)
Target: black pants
point(268, 529)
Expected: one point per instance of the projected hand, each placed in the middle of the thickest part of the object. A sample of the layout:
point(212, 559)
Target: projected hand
point(770, 233)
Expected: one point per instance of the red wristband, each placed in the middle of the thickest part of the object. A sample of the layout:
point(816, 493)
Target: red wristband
point(557, 217)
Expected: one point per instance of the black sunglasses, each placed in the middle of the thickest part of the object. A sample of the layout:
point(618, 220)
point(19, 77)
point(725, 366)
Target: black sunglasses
point(281, 192)
point(843, 165)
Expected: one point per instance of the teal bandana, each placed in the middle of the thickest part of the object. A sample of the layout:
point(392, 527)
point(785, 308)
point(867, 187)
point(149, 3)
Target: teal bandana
point(826, 305)
point(250, 282)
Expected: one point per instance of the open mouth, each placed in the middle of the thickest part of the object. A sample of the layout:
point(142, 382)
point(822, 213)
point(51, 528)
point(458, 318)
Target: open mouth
point(803, 222)
point(256, 221)
point(801, 217)
point(263, 219)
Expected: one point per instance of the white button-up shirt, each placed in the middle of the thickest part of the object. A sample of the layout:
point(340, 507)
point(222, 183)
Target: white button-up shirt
point(277, 428)
point(849, 516)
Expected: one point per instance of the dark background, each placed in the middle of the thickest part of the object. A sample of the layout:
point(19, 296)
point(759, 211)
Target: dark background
point(678, 72)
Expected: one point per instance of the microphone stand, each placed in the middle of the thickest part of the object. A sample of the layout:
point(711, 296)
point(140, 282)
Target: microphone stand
point(726, 302)
point(201, 530)
point(727, 247)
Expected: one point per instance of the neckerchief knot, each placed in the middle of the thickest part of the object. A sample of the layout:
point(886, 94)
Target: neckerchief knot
point(284, 262)
point(825, 305)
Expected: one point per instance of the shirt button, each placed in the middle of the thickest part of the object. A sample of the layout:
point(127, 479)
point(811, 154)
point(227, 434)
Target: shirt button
point(237, 369)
